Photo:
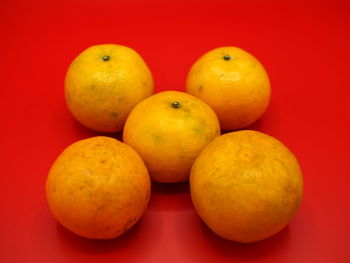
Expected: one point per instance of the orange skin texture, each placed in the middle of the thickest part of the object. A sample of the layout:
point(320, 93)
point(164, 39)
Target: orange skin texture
point(169, 139)
point(101, 93)
point(238, 89)
point(98, 188)
point(246, 186)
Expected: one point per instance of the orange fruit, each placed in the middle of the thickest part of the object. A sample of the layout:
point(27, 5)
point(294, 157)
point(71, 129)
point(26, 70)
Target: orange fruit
point(169, 130)
point(233, 83)
point(246, 186)
point(104, 83)
point(98, 188)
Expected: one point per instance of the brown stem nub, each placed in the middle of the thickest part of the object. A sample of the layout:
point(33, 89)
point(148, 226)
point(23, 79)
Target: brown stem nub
point(175, 105)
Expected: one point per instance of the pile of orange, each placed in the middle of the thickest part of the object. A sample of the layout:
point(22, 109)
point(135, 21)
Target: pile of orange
point(245, 185)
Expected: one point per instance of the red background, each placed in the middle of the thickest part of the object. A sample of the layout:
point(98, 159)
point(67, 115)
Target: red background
point(305, 47)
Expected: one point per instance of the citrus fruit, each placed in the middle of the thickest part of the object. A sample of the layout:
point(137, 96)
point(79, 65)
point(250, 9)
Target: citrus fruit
point(169, 130)
point(233, 83)
point(104, 83)
point(246, 186)
point(98, 188)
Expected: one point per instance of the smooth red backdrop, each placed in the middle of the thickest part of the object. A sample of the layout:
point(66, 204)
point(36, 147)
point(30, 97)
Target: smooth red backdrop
point(305, 47)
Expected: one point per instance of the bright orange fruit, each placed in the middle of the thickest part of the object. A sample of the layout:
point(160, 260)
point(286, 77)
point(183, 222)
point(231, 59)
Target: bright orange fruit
point(98, 188)
point(233, 83)
point(104, 83)
point(169, 130)
point(246, 186)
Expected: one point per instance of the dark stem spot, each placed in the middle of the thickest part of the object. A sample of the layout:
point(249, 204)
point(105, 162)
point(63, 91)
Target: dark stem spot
point(175, 105)
point(227, 57)
point(105, 58)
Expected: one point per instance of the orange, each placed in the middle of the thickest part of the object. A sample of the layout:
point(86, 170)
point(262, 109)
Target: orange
point(246, 186)
point(169, 130)
point(104, 83)
point(233, 83)
point(98, 188)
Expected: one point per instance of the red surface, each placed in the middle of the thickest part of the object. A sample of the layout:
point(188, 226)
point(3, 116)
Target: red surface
point(305, 48)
